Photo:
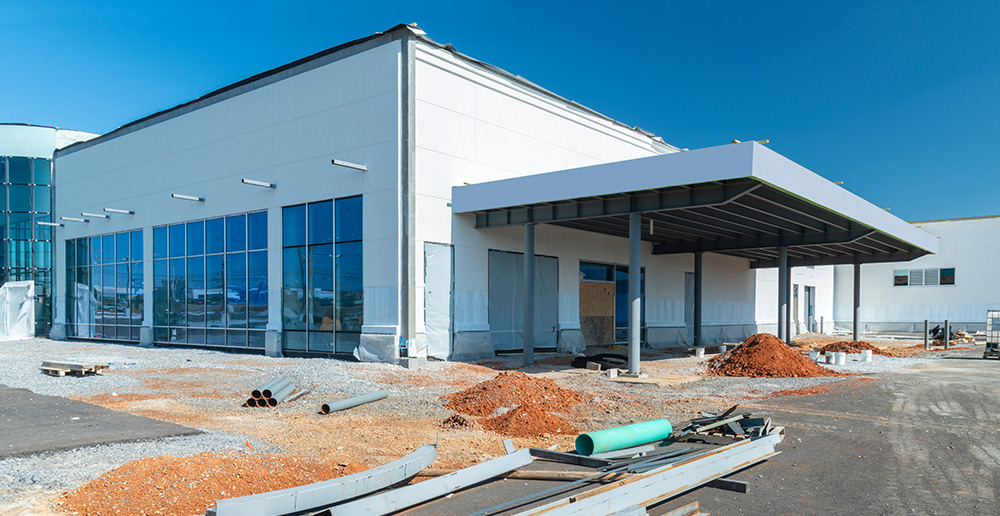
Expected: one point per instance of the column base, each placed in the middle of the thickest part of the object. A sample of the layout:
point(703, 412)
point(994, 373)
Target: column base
point(57, 332)
point(272, 343)
point(146, 337)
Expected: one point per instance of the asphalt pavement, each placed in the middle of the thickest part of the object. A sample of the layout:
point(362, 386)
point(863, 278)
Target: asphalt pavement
point(32, 423)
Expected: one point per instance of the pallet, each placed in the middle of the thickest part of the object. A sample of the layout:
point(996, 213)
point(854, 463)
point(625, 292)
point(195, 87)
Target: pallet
point(64, 368)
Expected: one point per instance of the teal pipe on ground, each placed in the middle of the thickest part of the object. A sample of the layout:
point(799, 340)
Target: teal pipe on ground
point(623, 437)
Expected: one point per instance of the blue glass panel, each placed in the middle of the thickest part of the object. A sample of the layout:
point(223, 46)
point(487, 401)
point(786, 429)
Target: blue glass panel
point(121, 247)
point(196, 291)
point(349, 219)
point(236, 338)
point(42, 232)
point(346, 342)
point(161, 293)
point(43, 199)
point(19, 170)
point(122, 305)
point(42, 171)
point(82, 251)
point(3, 169)
point(236, 290)
point(195, 238)
point(19, 197)
point(178, 297)
point(215, 294)
point(293, 289)
point(255, 339)
point(70, 255)
point(257, 230)
point(95, 294)
point(136, 295)
point(236, 233)
point(109, 293)
point(596, 271)
point(177, 240)
point(350, 293)
point(159, 242)
point(42, 255)
point(108, 249)
point(320, 282)
point(95, 250)
point(215, 337)
point(215, 236)
point(136, 246)
point(293, 340)
point(19, 254)
point(196, 336)
point(257, 289)
point(321, 222)
point(85, 303)
point(321, 341)
point(293, 226)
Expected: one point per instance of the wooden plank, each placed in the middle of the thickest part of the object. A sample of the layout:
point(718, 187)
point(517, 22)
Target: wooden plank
point(54, 371)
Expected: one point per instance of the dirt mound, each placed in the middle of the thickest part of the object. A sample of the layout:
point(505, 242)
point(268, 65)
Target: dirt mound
point(764, 355)
point(455, 422)
point(856, 346)
point(527, 421)
point(509, 389)
point(189, 485)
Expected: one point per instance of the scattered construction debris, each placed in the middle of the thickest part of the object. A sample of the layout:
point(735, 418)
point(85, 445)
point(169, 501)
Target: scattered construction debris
point(601, 361)
point(272, 393)
point(455, 422)
point(72, 368)
point(764, 355)
point(327, 408)
point(854, 346)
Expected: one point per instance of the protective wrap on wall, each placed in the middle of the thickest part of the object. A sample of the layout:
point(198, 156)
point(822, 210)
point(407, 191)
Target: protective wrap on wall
point(438, 287)
point(571, 341)
point(377, 348)
point(472, 345)
point(17, 299)
point(506, 291)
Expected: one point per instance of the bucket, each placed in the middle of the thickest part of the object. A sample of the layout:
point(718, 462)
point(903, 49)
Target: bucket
point(841, 358)
point(699, 352)
point(866, 355)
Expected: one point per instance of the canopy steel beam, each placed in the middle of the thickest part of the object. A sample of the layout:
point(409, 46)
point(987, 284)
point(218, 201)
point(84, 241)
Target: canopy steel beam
point(729, 244)
point(842, 260)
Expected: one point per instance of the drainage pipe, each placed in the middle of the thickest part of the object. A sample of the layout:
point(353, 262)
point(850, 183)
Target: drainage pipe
point(258, 392)
point(280, 395)
point(280, 384)
point(353, 402)
point(623, 437)
point(251, 402)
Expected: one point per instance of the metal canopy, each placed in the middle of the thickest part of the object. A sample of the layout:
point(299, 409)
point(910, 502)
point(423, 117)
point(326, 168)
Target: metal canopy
point(741, 200)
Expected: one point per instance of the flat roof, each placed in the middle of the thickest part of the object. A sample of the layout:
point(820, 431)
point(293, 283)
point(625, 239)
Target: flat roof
point(739, 199)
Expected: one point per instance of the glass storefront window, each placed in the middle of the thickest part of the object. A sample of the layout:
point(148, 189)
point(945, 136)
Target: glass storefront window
point(104, 286)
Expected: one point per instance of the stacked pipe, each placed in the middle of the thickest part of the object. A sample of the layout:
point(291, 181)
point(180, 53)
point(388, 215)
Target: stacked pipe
point(271, 393)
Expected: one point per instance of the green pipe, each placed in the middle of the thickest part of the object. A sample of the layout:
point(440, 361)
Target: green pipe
point(623, 437)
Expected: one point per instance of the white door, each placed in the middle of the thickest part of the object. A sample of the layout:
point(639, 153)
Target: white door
point(438, 287)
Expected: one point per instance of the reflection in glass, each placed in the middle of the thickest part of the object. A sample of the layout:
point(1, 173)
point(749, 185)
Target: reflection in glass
point(293, 226)
point(176, 240)
point(236, 233)
point(349, 223)
point(159, 243)
point(293, 285)
point(236, 290)
point(108, 249)
point(43, 199)
point(257, 289)
point(42, 171)
point(136, 292)
point(19, 226)
point(195, 290)
point(42, 258)
point(321, 222)
point(195, 238)
point(350, 292)
point(121, 247)
point(215, 236)
point(121, 294)
point(257, 230)
point(161, 292)
point(19, 197)
point(177, 315)
point(95, 250)
point(215, 300)
point(19, 170)
point(320, 284)
point(109, 293)
point(136, 252)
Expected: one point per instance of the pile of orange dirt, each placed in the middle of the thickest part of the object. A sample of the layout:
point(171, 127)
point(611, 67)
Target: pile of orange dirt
point(855, 346)
point(509, 389)
point(527, 421)
point(455, 422)
point(765, 356)
point(190, 485)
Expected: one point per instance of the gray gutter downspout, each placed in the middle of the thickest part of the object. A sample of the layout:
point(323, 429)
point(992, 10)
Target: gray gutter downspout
point(407, 237)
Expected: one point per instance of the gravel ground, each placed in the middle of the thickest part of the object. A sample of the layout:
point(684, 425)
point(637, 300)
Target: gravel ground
point(49, 471)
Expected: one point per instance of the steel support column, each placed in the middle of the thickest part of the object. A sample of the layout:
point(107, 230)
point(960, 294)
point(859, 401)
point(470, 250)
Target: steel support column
point(529, 294)
point(857, 301)
point(697, 298)
point(788, 305)
point(782, 291)
point(635, 303)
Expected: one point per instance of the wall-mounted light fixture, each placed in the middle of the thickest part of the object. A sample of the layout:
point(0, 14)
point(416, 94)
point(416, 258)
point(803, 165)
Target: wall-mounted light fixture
point(95, 215)
point(188, 197)
point(348, 164)
point(254, 182)
point(50, 224)
point(116, 210)
point(73, 219)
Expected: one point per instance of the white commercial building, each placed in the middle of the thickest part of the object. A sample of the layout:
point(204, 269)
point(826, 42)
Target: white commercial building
point(382, 197)
point(958, 284)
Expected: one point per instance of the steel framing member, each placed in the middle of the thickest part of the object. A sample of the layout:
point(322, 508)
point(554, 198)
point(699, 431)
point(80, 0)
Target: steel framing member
point(321, 494)
point(662, 483)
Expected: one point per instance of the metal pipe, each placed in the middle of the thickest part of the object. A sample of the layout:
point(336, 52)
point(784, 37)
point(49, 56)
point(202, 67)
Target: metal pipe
point(352, 402)
point(251, 402)
point(634, 287)
point(927, 334)
point(529, 294)
point(269, 392)
point(857, 302)
point(697, 298)
point(280, 395)
point(947, 334)
point(788, 305)
point(257, 393)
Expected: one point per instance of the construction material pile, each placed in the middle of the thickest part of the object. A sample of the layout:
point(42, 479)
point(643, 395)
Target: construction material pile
point(855, 346)
point(957, 337)
point(271, 393)
point(189, 485)
point(529, 400)
point(765, 356)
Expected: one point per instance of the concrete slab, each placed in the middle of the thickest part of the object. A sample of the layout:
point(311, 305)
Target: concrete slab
point(32, 423)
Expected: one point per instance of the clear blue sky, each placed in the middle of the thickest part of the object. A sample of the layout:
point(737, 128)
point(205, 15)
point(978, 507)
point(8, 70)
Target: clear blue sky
point(900, 100)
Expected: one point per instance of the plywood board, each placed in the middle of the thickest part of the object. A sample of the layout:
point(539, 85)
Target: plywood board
point(597, 313)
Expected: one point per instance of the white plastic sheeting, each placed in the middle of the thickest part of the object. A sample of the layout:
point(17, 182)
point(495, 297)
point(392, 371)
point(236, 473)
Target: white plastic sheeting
point(85, 302)
point(377, 348)
point(506, 291)
point(438, 288)
point(17, 301)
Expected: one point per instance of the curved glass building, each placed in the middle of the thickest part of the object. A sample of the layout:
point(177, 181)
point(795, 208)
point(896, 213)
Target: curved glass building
point(26, 178)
